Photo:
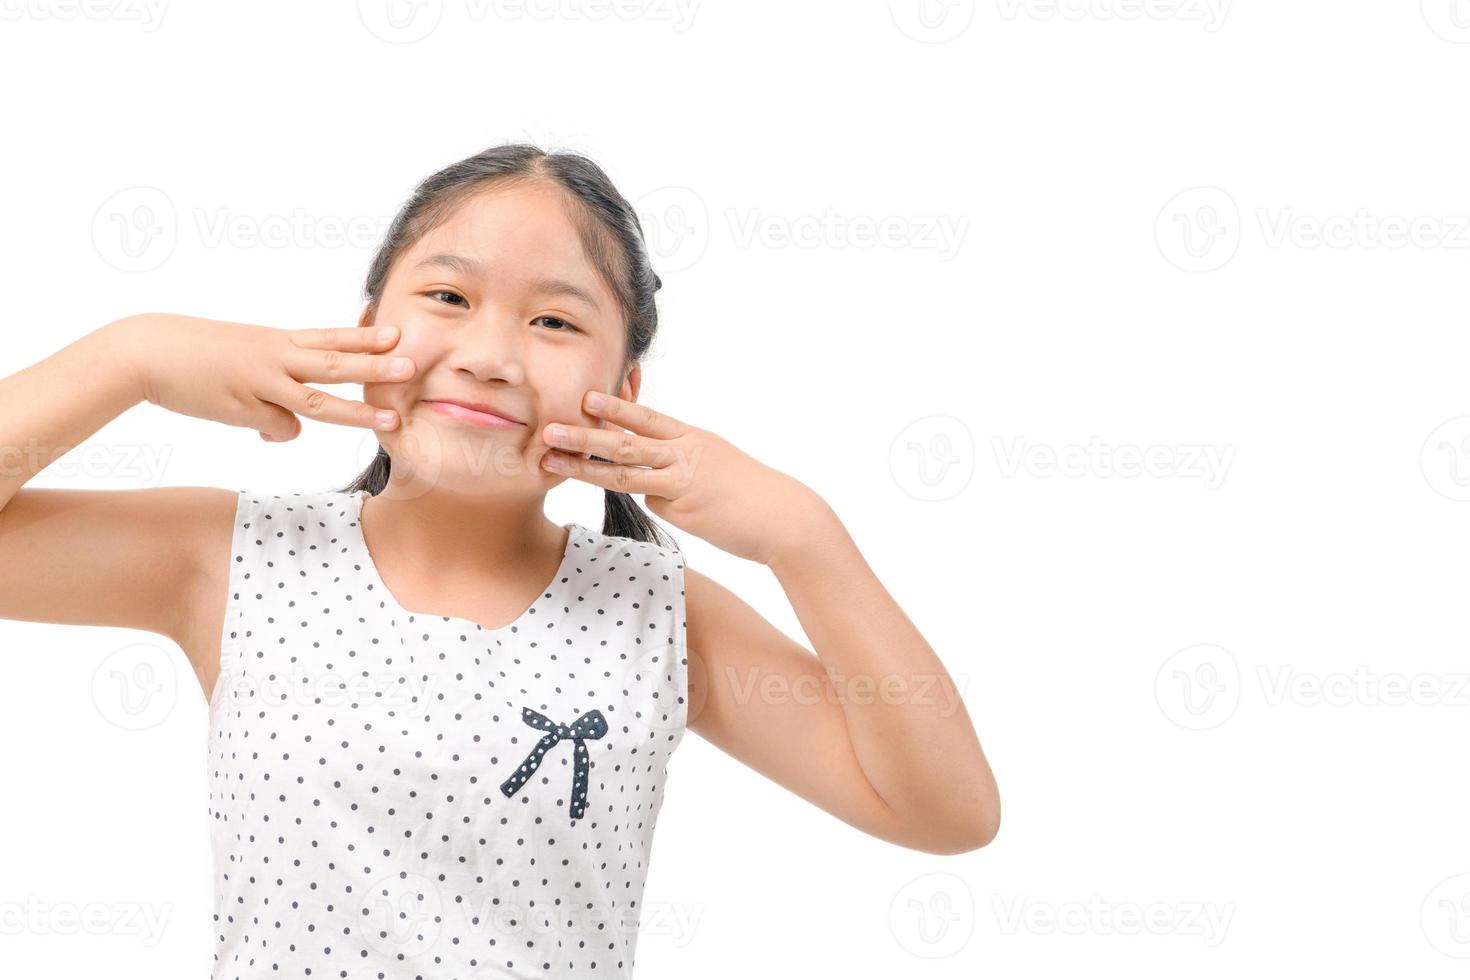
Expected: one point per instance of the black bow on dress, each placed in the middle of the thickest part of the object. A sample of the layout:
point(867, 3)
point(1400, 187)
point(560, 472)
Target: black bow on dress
point(590, 725)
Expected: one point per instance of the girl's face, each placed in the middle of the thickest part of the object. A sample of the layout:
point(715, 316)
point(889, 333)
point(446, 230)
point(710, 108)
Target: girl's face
point(500, 307)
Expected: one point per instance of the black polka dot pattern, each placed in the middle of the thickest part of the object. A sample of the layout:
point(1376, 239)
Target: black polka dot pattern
point(396, 794)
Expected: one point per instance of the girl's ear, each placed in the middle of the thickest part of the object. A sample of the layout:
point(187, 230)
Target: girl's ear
point(629, 390)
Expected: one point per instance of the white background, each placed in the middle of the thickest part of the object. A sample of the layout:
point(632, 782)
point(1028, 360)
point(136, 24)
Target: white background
point(1226, 702)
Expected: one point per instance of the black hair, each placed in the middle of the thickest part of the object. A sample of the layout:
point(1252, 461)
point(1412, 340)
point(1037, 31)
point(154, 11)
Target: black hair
point(614, 243)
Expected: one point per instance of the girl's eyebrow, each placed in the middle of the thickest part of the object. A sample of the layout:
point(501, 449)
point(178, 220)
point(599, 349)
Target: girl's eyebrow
point(473, 267)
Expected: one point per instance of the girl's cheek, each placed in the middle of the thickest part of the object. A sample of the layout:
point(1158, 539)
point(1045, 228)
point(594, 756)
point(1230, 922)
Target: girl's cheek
point(418, 344)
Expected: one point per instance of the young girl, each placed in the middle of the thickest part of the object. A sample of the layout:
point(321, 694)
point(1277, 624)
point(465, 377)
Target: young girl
point(440, 723)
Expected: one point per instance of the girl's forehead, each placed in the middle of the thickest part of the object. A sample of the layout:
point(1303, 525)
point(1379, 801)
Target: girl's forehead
point(517, 228)
point(509, 221)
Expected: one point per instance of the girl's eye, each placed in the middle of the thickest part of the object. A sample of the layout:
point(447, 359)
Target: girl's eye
point(449, 292)
point(564, 324)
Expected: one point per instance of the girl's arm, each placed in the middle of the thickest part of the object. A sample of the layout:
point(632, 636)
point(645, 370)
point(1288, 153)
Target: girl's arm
point(53, 406)
point(88, 557)
point(871, 729)
point(152, 559)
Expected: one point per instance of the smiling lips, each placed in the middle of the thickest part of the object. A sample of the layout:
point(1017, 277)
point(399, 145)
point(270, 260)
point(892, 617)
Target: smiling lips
point(475, 413)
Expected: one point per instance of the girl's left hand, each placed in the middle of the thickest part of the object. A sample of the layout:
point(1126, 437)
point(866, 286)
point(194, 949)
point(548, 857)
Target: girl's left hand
point(690, 477)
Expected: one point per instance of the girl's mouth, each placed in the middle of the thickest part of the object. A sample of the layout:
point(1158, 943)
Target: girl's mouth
point(474, 415)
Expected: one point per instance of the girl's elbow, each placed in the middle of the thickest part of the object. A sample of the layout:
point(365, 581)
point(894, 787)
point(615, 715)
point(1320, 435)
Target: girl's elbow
point(979, 827)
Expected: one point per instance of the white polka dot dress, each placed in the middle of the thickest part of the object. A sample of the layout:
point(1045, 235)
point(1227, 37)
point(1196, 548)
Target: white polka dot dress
point(401, 795)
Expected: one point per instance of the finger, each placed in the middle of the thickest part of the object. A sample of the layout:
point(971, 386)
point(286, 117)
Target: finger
point(344, 367)
point(314, 403)
point(631, 415)
point(614, 444)
point(375, 338)
point(275, 423)
point(612, 476)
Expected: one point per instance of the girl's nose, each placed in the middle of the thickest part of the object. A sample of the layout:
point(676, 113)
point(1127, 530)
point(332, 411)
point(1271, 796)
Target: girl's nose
point(491, 347)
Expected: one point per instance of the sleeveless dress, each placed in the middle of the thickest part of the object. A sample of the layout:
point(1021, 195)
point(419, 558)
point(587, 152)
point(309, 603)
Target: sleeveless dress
point(404, 795)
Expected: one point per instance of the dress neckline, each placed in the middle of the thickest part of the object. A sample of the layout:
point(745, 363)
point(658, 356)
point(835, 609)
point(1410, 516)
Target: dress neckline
point(376, 584)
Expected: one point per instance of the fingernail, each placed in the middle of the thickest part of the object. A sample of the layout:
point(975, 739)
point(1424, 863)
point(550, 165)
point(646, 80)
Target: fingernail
point(401, 365)
point(385, 419)
point(385, 334)
point(556, 433)
point(594, 400)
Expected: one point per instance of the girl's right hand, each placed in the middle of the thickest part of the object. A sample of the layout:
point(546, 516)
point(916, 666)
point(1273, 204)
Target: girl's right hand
point(253, 376)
